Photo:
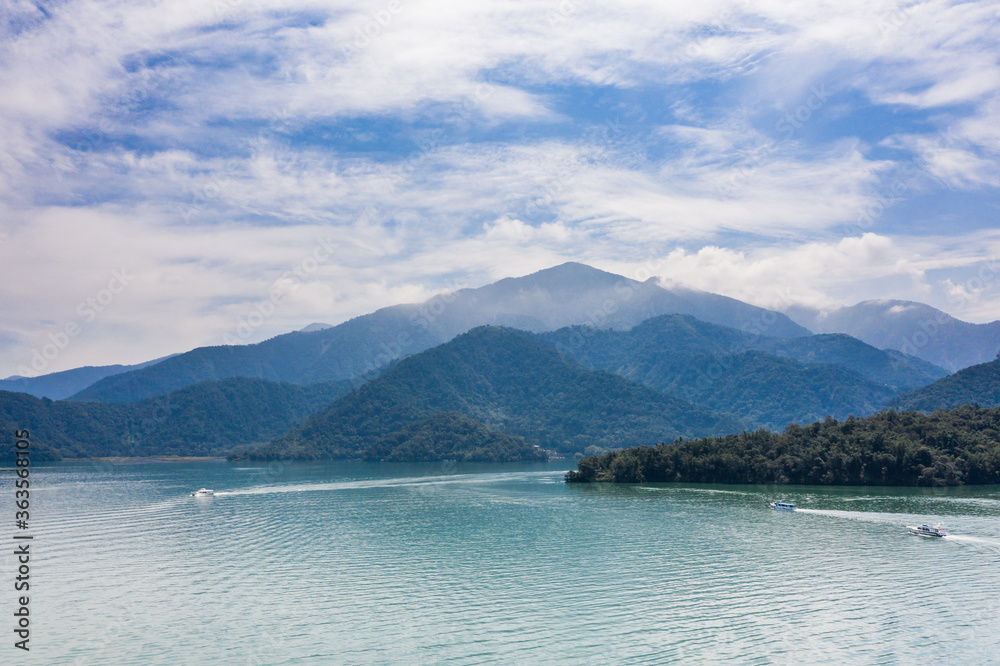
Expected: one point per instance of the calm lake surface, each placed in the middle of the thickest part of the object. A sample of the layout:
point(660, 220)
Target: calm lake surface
point(392, 563)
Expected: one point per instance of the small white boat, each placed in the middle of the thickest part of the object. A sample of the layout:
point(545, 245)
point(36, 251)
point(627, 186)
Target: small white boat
point(783, 506)
point(927, 530)
point(204, 492)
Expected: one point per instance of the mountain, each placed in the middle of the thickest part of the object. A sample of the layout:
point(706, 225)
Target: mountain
point(912, 328)
point(213, 417)
point(767, 382)
point(506, 381)
point(889, 367)
point(564, 295)
point(574, 293)
point(886, 449)
point(771, 392)
point(315, 326)
point(289, 358)
point(977, 384)
point(60, 385)
point(451, 436)
point(205, 419)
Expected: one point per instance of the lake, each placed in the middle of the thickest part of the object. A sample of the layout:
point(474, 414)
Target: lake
point(393, 563)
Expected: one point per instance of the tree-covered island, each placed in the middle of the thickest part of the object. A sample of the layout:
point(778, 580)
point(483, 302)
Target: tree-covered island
point(946, 448)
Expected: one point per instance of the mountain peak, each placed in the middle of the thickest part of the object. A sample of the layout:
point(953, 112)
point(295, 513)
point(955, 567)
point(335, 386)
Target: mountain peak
point(568, 274)
point(914, 328)
point(569, 294)
point(315, 326)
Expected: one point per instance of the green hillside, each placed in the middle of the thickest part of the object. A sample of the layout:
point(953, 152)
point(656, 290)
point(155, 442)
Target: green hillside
point(507, 381)
point(451, 436)
point(887, 367)
point(335, 354)
point(204, 419)
point(767, 382)
point(886, 449)
point(771, 392)
point(977, 384)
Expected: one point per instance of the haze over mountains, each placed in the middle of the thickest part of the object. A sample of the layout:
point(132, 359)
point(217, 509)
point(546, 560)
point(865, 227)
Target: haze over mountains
point(60, 385)
point(913, 328)
point(573, 340)
point(569, 294)
point(564, 295)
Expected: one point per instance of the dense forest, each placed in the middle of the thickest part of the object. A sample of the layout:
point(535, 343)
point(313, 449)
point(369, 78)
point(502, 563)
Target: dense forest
point(766, 382)
point(200, 420)
point(890, 448)
point(451, 436)
point(503, 394)
point(507, 381)
point(977, 384)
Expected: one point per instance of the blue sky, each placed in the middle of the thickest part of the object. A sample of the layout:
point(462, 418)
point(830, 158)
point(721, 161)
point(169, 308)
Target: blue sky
point(348, 156)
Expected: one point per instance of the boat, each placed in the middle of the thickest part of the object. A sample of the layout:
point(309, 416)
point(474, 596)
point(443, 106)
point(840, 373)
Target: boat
point(927, 530)
point(783, 506)
point(204, 492)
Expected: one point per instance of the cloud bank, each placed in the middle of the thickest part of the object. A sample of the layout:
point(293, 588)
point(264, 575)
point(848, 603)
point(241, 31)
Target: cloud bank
point(783, 153)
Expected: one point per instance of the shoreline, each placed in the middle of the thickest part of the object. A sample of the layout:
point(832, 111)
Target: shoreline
point(146, 459)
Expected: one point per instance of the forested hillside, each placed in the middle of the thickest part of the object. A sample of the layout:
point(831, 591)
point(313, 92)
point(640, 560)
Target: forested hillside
point(204, 419)
point(889, 448)
point(509, 382)
point(767, 382)
point(978, 384)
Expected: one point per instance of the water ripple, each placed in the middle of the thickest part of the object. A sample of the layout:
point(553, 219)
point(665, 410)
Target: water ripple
point(359, 563)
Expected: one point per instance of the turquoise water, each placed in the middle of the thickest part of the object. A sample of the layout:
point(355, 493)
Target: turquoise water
point(369, 563)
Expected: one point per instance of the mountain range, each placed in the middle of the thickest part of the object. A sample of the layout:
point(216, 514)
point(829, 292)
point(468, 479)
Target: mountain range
point(612, 362)
point(507, 381)
point(764, 381)
point(909, 327)
point(61, 385)
point(560, 296)
point(668, 376)
point(565, 295)
point(210, 418)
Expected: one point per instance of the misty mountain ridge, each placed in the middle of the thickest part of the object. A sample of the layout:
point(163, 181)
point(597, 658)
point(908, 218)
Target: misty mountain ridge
point(910, 327)
point(571, 293)
point(565, 295)
point(315, 326)
point(61, 385)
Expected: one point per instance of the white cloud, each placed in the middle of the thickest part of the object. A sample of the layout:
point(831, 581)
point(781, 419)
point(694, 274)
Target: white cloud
point(210, 198)
point(823, 275)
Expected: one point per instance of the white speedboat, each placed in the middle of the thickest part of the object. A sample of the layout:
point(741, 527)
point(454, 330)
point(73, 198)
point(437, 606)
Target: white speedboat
point(927, 530)
point(783, 506)
point(204, 492)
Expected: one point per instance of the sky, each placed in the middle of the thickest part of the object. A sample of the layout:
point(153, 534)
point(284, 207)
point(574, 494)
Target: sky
point(180, 174)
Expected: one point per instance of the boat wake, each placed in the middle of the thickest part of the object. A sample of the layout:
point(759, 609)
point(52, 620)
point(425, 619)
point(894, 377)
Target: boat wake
point(902, 519)
point(710, 491)
point(990, 544)
point(400, 482)
point(888, 518)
